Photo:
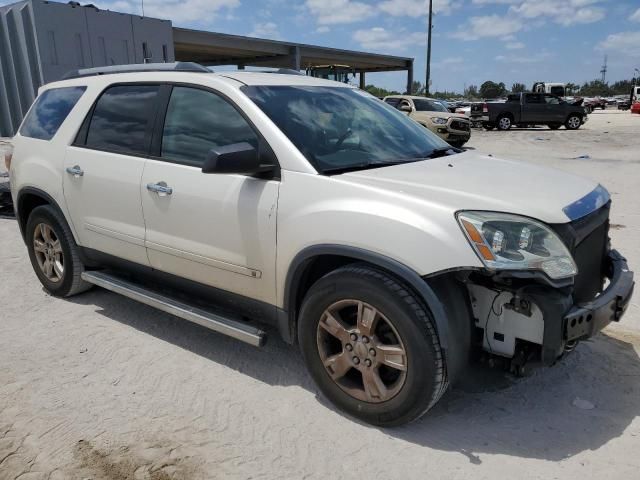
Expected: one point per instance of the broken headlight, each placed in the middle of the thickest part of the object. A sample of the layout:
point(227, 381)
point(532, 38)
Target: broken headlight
point(511, 242)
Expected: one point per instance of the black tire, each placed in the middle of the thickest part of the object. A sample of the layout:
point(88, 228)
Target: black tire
point(555, 126)
point(488, 126)
point(70, 282)
point(423, 384)
point(574, 121)
point(505, 122)
point(457, 144)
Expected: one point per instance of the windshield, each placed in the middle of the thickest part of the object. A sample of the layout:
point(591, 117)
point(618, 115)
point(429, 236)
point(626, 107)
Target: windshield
point(429, 106)
point(343, 128)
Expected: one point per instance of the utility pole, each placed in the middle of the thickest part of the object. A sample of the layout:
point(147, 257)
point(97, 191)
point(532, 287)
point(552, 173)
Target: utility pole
point(429, 26)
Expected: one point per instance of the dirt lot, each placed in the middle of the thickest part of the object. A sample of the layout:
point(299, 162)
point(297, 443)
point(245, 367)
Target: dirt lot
point(100, 387)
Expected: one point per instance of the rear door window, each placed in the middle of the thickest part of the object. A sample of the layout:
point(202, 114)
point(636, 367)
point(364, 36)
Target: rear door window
point(49, 111)
point(535, 98)
point(122, 119)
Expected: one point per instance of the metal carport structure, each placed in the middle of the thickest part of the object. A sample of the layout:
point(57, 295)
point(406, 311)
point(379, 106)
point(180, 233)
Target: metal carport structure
point(210, 48)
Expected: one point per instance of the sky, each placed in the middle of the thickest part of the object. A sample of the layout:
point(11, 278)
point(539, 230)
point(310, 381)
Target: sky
point(473, 40)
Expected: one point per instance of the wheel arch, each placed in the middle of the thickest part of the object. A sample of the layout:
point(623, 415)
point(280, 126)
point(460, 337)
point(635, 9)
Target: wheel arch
point(28, 199)
point(315, 261)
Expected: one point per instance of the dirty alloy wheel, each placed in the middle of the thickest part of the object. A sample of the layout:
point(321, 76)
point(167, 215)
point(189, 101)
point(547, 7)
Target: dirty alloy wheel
point(53, 252)
point(371, 346)
point(504, 123)
point(573, 122)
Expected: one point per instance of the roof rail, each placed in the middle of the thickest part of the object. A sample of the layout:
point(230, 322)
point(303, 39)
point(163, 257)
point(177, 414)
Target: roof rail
point(138, 67)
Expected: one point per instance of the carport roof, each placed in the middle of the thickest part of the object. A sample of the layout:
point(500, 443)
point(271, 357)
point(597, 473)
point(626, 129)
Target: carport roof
point(210, 48)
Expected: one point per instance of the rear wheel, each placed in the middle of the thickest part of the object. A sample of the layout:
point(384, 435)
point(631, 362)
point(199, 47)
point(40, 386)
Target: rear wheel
point(53, 253)
point(504, 122)
point(573, 122)
point(371, 346)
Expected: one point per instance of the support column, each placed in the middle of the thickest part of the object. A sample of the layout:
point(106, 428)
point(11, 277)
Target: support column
point(409, 77)
point(295, 58)
point(362, 81)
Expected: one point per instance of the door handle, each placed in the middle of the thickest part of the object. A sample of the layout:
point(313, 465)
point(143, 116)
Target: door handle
point(76, 171)
point(160, 188)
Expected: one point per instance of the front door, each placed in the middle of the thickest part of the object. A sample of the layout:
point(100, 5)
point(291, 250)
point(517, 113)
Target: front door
point(215, 229)
point(104, 168)
point(534, 109)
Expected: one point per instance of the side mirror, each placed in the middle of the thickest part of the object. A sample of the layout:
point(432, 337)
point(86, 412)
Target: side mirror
point(241, 158)
point(405, 108)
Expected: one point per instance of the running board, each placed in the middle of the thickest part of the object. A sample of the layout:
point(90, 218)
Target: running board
point(213, 321)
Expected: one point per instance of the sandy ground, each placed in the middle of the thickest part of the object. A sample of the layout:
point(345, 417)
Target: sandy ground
point(100, 387)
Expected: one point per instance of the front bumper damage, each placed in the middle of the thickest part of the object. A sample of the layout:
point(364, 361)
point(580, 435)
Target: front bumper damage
point(516, 316)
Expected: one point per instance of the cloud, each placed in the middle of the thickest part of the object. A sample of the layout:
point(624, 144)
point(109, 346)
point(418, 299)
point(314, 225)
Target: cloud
point(266, 30)
point(535, 58)
point(562, 12)
point(494, 2)
point(377, 38)
point(331, 12)
point(417, 8)
point(179, 11)
point(488, 26)
point(624, 43)
point(323, 29)
point(635, 17)
point(514, 45)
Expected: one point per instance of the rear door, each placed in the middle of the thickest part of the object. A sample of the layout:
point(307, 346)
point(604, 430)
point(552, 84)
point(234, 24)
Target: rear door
point(555, 111)
point(534, 109)
point(215, 229)
point(104, 168)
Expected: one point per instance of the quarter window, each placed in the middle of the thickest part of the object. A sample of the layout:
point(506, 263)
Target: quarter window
point(49, 111)
point(122, 118)
point(198, 121)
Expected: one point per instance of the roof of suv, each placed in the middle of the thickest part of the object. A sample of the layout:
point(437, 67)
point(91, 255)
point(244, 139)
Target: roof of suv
point(231, 77)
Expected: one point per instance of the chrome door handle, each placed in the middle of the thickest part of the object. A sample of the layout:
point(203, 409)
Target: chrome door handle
point(160, 188)
point(76, 171)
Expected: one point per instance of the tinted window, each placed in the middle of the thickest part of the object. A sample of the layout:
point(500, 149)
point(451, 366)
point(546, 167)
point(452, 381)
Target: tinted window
point(557, 91)
point(343, 128)
point(551, 100)
point(428, 106)
point(49, 111)
point(534, 98)
point(393, 101)
point(198, 121)
point(513, 99)
point(121, 118)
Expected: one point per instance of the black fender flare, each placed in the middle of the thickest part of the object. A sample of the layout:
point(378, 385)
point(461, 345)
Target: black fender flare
point(406, 274)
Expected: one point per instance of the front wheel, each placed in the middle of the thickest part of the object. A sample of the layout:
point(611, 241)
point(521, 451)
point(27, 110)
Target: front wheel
point(573, 122)
point(371, 346)
point(53, 253)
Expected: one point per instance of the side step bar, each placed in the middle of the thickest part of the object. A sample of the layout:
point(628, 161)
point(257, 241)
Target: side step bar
point(219, 323)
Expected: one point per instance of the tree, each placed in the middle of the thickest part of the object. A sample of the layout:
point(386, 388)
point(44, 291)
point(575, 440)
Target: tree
point(472, 91)
point(571, 88)
point(594, 88)
point(491, 89)
point(518, 88)
point(379, 91)
point(417, 88)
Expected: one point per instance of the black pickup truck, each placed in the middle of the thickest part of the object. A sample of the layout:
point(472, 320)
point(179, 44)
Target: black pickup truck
point(529, 109)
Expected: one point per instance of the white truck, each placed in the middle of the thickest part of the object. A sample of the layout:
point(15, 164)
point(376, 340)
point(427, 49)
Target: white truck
point(248, 201)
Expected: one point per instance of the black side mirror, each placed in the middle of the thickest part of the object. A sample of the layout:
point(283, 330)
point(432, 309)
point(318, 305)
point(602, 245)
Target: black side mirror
point(241, 158)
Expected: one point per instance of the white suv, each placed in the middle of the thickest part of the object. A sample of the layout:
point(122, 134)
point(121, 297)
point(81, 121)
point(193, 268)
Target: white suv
point(246, 200)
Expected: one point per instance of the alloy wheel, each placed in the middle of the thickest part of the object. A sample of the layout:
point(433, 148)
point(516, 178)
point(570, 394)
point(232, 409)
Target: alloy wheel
point(505, 123)
point(48, 252)
point(362, 351)
point(574, 122)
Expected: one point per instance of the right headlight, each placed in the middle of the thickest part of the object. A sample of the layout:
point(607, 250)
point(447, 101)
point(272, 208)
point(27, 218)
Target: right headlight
point(510, 242)
point(439, 120)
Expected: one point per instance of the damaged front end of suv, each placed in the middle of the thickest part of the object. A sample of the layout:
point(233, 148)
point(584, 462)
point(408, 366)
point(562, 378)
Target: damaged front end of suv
point(544, 287)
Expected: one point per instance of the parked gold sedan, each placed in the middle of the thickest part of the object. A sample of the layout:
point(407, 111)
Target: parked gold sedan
point(451, 127)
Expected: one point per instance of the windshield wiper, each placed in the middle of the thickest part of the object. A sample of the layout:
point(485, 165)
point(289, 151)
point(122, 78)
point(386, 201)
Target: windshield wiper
point(362, 166)
point(442, 152)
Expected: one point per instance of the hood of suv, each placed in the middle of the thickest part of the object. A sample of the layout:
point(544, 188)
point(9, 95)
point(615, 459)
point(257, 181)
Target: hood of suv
point(426, 116)
point(469, 181)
